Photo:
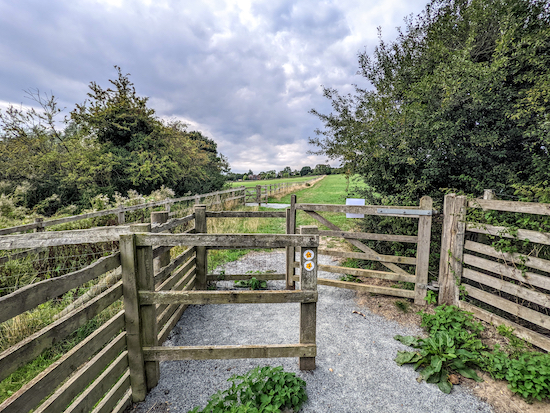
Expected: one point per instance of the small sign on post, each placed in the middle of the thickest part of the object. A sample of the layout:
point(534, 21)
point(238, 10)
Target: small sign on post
point(355, 201)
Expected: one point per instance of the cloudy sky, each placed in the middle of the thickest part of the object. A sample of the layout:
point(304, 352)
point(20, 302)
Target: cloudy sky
point(243, 72)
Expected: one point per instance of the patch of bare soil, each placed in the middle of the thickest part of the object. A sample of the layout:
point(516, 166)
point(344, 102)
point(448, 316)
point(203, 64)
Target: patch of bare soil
point(493, 392)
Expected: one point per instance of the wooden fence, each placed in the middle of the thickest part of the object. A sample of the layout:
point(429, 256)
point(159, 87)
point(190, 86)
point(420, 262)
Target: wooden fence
point(423, 213)
point(261, 193)
point(95, 374)
point(514, 285)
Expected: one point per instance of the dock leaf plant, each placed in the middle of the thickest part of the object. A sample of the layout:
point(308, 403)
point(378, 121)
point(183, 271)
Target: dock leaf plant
point(261, 390)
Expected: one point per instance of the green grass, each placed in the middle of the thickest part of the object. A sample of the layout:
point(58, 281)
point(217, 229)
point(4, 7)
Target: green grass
point(249, 184)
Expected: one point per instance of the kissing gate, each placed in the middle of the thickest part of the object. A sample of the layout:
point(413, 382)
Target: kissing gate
point(141, 299)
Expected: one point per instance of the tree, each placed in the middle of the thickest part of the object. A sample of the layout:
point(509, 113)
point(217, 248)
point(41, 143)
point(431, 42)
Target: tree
point(321, 169)
point(306, 170)
point(459, 100)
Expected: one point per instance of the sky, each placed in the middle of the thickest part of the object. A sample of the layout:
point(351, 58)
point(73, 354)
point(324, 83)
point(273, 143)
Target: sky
point(244, 73)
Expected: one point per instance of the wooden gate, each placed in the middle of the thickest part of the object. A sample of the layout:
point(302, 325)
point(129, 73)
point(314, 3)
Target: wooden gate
point(423, 213)
point(141, 299)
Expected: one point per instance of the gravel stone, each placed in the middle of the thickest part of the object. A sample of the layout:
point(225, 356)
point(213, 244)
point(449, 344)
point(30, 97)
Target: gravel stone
point(355, 369)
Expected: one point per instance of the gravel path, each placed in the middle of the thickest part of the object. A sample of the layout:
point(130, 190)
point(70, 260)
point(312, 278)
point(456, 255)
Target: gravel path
point(355, 368)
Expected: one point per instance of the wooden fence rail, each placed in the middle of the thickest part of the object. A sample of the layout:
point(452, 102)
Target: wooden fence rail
point(495, 281)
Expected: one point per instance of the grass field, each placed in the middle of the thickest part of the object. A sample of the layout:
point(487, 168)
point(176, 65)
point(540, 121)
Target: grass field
point(248, 184)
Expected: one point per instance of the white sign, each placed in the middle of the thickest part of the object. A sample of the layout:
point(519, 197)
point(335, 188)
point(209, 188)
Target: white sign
point(309, 265)
point(355, 201)
point(308, 254)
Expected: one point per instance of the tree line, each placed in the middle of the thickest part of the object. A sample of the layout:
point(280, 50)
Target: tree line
point(111, 145)
point(287, 172)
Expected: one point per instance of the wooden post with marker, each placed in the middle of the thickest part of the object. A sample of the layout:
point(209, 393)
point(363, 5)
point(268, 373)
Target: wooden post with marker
point(308, 311)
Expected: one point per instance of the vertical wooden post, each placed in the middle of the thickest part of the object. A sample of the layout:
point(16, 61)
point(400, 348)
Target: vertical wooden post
point(488, 194)
point(121, 216)
point(145, 281)
point(128, 258)
point(452, 247)
point(258, 195)
point(423, 252)
point(202, 260)
point(167, 207)
point(40, 223)
point(290, 251)
point(308, 311)
point(160, 217)
point(197, 199)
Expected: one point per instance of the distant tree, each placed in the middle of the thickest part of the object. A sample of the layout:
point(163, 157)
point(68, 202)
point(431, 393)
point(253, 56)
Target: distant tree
point(322, 169)
point(306, 170)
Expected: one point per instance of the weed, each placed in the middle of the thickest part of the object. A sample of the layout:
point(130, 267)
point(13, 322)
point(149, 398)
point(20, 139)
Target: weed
point(403, 306)
point(431, 297)
point(261, 390)
point(253, 284)
point(350, 278)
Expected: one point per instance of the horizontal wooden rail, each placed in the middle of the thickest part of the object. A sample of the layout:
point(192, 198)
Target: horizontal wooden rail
point(370, 236)
point(30, 395)
point(507, 271)
point(30, 296)
point(397, 292)
point(20, 228)
point(368, 256)
point(391, 276)
point(172, 223)
point(165, 272)
point(238, 277)
point(537, 339)
point(56, 238)
point(510, 206)
point(521, 234)
point(507, 287)
point(527, 260)
point(118, 398)
point(31, 347)
point(228, 240)
point(246, 214)
point(229, 352)
point(227, 297)
point(362, 209)
point(508, 306)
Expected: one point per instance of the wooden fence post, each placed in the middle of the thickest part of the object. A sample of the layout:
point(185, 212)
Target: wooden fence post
point(160, 217)
point(121, 216)
point(40, 223)
point(202, 259)
point(423, 252)
point(167, 207)
point(258, 195)
point(308, 311)
point(290, 251)
point(452, 247)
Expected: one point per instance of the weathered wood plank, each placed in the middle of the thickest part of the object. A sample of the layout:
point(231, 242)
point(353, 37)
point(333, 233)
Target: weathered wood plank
point(527, 260)
point(355, 242)
point(230, 352)
point(26, 350)
point(532, 337)
point(423, 252)
point(507, 287)
point(172, 223)
point(178, 281)
point(84, 376)
point(358, 209)
point(229, 240)
point(370, 236)
point(511, 206)
point(290, 284)
point(246, 214)
point(131, 317)
point(368, 256)
point(522, 234)
point(165, 331)
point(118, 392)
point(30, 296)
point(165, 272)
point(308, 311)
point(124, 403)
point(226, 297)
point(201, 260)
point(396, 292)
point(506, 305)
point(237, 277)
point(19, 228)
point(367, 273)
point(56, 238)
point(166, 311)
point(30, 395)
point(502, 269)
point(89, 397)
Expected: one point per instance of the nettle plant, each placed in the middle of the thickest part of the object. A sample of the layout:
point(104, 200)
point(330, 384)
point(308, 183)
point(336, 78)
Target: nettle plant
point(261, 390)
